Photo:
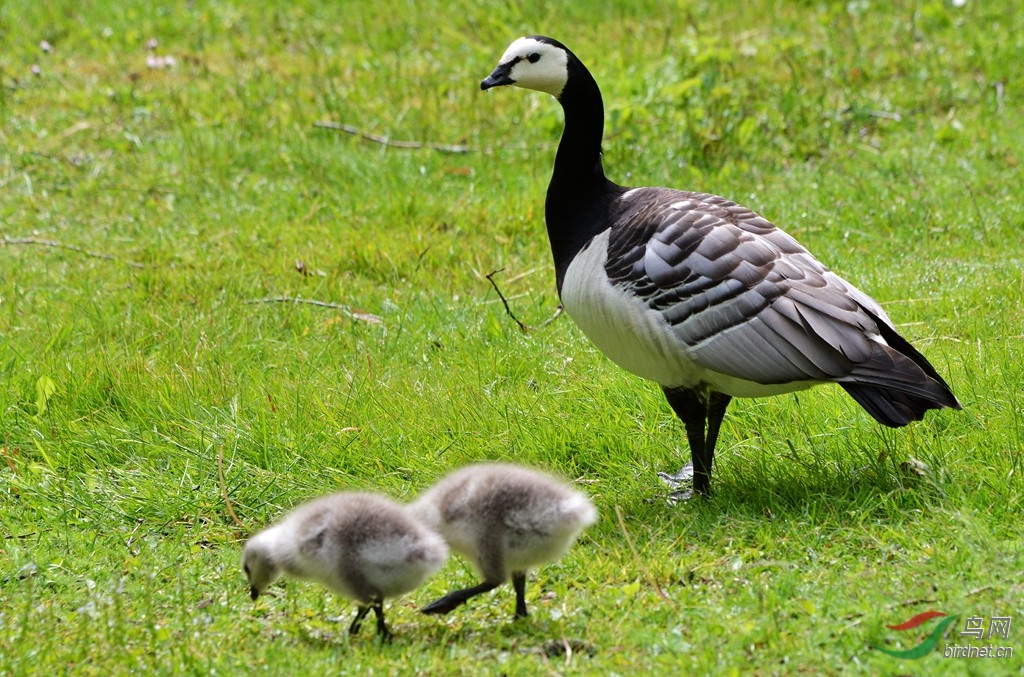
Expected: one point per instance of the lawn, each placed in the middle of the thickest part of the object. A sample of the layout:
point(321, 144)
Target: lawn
point(213, 307)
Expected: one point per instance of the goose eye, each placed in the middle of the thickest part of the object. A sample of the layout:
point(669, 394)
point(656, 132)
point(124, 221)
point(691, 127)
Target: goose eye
point(533, 58)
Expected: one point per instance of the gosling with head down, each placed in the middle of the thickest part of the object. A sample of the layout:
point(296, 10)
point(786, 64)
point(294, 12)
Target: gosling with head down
point(361, 546)
point(506, 520)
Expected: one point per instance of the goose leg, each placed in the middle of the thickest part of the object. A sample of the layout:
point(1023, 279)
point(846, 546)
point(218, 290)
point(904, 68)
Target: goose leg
point(361, 612)
point(458, 597)
point(519, 583)
point(717, 404)
point(382, 628)
point(703, 420)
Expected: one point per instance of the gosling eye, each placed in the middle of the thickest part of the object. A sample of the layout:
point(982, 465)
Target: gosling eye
point(246, 569)
point(533, 58)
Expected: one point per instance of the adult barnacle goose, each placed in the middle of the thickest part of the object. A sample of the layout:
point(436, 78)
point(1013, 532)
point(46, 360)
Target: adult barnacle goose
point(699, 294)
point(506, 519)
point(362, 546)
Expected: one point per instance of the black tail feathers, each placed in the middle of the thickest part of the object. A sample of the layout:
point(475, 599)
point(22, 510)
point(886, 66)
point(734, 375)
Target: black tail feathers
point(898, 385)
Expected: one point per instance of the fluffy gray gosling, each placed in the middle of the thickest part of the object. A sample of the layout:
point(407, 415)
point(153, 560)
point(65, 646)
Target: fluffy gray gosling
point(506, 520)
point(361, 546)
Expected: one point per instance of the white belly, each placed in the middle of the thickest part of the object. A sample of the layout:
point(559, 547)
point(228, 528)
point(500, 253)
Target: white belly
point(637, 338)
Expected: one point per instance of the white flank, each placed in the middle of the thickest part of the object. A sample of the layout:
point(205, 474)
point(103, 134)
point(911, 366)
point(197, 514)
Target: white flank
point(637, 338)
point(621, 325)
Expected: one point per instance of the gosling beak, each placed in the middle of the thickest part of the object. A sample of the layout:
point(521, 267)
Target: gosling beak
point(499, 77)
point(253, 592)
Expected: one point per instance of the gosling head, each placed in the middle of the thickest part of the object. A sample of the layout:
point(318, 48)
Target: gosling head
point(534, 62)
point(260, 565)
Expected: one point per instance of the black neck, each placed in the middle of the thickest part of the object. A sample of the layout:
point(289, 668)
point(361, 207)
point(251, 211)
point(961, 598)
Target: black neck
point(579, 195)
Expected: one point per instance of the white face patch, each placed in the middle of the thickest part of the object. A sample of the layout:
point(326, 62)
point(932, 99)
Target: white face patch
point(537, 65)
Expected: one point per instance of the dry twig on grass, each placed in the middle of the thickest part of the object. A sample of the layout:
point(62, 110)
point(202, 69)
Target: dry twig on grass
point(388, 141)
point(354, 314)
point(6, 241)
point(643, 567)
point(224, 489)
point(523, 326)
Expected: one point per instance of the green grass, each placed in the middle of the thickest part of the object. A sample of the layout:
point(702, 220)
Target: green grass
point(143, 347)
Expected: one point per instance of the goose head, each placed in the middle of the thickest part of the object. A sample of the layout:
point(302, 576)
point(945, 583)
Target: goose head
point(260, 566)
point(534, 62)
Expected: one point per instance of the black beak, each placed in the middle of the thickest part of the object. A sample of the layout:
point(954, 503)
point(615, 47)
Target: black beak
point(253, 592)
point(499, 77)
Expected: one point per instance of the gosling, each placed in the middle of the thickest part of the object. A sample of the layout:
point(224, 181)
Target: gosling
point(362, 546)
point(506, 520)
